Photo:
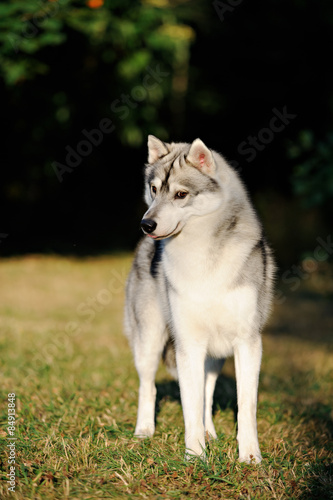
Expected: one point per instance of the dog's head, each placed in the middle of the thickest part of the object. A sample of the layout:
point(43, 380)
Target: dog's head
point(180, 181)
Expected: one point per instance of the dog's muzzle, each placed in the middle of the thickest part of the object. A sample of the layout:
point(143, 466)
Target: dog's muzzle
point(148, 225)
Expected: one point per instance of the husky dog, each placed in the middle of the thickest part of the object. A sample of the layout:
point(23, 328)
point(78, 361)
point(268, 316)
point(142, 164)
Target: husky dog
point(199, 290)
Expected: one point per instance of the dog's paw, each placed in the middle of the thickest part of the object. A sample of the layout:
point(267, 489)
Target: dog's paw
point(210, 434)
point(251, 458)
point(191, 457)
point(143, 432)
point(195, 450)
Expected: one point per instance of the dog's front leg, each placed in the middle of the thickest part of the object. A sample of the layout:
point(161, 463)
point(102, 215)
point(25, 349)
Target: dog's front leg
point(191, 373)
point(247, 364)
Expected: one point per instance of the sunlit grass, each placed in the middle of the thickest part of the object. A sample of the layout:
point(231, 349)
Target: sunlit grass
point(64, 356)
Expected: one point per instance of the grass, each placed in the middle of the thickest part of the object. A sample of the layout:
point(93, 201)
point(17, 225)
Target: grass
point(64, 356)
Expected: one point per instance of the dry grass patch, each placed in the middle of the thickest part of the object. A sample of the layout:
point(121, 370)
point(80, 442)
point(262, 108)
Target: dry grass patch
point(65, 357)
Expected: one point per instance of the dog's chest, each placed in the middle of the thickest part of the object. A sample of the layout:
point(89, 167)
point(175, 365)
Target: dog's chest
point(200, 273)
point(206, 301)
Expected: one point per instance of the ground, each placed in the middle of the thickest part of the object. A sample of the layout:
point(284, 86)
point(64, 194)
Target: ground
point(64, 356)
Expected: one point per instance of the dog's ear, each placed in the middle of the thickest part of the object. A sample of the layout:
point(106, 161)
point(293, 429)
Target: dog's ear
point(201, 157)
point(156, 149)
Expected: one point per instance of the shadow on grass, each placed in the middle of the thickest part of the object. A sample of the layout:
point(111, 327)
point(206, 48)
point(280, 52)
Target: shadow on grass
point(302, 408)
point(224, 396)
point(320, 483)
point(314, 315)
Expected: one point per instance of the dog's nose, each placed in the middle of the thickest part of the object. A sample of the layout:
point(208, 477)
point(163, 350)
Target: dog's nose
point(148, 225)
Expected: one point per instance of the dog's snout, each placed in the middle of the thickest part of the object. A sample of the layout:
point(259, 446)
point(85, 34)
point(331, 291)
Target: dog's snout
point(148, 225)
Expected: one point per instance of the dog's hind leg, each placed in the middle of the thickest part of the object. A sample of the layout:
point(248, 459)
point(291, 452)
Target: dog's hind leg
point(212, 370)
point(148, 348)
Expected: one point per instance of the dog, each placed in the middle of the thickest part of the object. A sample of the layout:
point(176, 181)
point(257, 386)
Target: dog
point(199, 290)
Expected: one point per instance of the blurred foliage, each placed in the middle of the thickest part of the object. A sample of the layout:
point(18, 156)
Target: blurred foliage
point(173, 68)
point(127, 36)
point(312, 179)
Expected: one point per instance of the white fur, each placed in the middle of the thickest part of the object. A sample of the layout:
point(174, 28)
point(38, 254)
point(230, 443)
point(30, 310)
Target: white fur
point(211, 312)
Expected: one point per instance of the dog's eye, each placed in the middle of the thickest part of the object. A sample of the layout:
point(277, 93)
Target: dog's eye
point(153, 188)
point(181, 195)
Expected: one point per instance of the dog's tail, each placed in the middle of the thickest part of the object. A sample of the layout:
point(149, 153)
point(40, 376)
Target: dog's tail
point(169, 358)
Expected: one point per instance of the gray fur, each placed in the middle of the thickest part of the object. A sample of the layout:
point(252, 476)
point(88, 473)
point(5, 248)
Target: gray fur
point(217, 197)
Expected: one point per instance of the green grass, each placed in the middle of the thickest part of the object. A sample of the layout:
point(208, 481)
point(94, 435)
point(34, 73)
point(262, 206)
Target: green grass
point(64, 356)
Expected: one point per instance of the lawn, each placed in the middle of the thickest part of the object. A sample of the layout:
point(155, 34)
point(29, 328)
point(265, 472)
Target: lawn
point(64, 356)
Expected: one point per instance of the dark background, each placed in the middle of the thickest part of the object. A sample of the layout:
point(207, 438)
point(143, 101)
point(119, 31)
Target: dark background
point(224, 67)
